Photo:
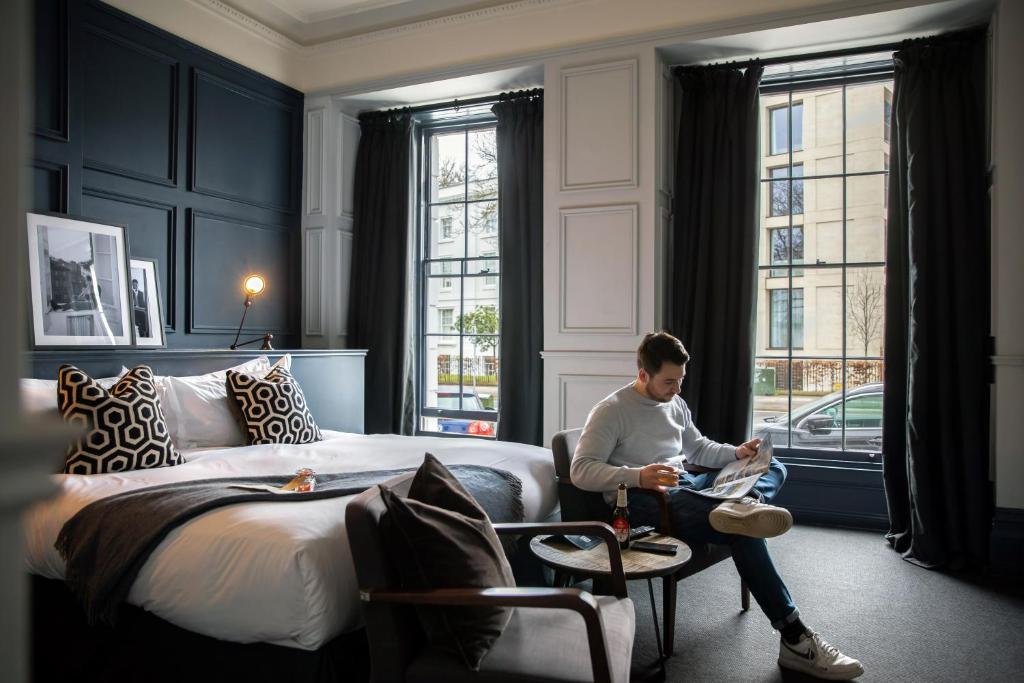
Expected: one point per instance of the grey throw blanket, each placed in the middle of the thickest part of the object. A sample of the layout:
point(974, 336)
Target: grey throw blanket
point(107, 542)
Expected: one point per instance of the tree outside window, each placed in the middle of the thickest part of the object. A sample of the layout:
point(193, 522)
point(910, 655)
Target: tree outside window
point(780, 199)
point(782, 254)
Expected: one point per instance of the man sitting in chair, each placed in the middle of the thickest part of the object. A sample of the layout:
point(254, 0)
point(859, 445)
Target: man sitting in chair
point(636, 434)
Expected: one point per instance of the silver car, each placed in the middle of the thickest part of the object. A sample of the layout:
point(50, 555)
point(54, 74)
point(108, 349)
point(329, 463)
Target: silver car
point(819, 424)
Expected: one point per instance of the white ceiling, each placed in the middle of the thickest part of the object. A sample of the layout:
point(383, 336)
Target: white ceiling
point(835, 34)
point(308, 22)
point(858, 31)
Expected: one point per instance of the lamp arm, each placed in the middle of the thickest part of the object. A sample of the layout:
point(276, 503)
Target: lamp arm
point(248, 303)
point(265, 339)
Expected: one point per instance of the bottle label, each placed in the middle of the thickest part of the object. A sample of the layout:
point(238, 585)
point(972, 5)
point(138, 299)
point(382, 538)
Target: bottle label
point(621, 527)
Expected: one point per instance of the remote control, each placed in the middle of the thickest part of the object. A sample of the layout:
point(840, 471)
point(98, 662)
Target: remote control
point(639, 532)
point(648, 547)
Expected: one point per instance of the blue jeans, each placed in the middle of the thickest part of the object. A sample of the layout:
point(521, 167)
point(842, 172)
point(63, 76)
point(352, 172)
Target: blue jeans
point(690, 523)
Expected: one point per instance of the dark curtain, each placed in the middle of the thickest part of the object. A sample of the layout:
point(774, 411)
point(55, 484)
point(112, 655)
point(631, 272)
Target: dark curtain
point(712, 262)
point(520, 139)
point(378, 313)
point(937, 305)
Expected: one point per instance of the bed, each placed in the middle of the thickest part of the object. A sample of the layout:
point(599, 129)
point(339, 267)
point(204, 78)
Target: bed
point(272, 573)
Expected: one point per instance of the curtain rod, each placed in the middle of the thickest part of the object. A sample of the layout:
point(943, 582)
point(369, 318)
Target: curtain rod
point(768, 61)
point(458, 104)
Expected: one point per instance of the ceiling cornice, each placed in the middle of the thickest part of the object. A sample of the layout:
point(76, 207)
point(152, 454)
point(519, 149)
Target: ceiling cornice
point(256, 28)
point(261, 30)
point(509, 10)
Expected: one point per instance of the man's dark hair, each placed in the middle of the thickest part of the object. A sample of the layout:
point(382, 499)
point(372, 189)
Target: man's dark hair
point(657, 348)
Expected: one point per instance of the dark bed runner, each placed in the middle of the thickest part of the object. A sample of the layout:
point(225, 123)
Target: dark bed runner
point(107, 542)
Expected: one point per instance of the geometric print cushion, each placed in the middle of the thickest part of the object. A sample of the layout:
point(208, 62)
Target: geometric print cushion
point(124, 426)
point(273, 408)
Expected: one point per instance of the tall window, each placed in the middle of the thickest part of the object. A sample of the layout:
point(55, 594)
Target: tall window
point(782, 129)
point(821, 285)
point(781, 313)
point(460, 279)
point(787, 245)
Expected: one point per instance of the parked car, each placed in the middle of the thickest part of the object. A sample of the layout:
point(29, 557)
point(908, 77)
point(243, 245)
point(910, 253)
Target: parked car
point(449, 400)
point(819, 424)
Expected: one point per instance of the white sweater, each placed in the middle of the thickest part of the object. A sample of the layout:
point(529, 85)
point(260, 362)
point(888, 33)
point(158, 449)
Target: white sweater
point(627, 431)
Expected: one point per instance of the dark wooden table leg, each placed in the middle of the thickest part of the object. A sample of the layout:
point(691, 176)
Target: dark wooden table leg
point(669, 594)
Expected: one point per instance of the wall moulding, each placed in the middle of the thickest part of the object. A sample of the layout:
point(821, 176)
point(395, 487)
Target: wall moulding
point(170, 89)
point(605, 301)
point(168, 260)
point(578, 393)
point(600, 126)
point(315, 171)
point(315, 280)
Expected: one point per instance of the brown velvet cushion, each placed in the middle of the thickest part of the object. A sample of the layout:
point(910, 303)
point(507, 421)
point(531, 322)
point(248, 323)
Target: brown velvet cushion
point(440, 537)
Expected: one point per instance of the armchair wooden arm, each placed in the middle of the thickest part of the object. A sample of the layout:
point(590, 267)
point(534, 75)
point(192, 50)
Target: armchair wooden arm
point(618, 575)
point(581, 602)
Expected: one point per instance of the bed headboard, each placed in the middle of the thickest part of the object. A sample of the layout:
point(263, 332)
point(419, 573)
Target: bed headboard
point(331, 380)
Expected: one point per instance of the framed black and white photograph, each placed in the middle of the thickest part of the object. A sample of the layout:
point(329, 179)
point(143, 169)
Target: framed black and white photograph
point(147, 313)
point(78, 275)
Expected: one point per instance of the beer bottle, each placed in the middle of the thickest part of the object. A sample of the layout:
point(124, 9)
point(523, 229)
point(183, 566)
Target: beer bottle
point(620, 518)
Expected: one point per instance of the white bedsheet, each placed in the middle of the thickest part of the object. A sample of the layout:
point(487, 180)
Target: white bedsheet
point(278, 573)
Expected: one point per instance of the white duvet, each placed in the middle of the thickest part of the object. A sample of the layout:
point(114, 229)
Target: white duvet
point(272, 572)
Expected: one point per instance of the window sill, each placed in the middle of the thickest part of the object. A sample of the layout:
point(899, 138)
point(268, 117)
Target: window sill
point(833, 492)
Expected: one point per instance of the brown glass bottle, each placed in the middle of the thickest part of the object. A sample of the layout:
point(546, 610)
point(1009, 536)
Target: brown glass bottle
point(620, 518)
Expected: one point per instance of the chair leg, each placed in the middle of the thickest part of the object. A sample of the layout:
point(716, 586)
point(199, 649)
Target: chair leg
point(668, 592)
point(744, 595)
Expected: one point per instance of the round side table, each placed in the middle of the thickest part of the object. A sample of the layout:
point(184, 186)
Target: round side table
point(559, 554)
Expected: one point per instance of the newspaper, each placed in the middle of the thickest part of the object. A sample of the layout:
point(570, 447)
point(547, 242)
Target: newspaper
point(737, 478)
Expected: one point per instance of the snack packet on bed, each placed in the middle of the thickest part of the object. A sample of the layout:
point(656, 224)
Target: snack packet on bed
point(304, 481)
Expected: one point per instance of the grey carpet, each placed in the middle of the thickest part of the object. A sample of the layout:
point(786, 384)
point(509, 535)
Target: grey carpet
point(904, 623)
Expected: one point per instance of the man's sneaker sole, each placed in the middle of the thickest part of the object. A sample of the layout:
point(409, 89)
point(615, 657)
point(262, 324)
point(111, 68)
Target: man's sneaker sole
point(803, 666)
point(760, 522)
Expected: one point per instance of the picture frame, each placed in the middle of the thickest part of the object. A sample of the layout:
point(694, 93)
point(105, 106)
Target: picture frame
point(147, 303)
point(78, 282)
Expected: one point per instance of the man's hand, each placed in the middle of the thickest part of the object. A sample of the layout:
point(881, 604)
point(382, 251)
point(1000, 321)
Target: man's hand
point(658, 477)
point(748, 449)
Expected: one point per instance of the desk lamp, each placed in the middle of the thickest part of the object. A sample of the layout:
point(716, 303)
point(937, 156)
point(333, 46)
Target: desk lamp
point(252, 285)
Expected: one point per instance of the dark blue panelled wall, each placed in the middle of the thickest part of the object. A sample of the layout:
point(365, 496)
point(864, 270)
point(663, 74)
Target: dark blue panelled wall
point(198, 156)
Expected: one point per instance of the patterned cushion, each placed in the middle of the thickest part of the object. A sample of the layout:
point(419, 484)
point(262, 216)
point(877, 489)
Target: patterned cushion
point(273, 408)
point(125, 427)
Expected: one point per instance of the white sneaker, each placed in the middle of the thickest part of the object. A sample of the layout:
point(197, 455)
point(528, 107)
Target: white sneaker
point(816, 657)
point(748, 517)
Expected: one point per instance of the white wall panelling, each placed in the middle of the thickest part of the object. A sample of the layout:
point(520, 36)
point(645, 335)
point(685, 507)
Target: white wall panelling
point(577, 394)
point(576, 380)
point(344, 263)
point(600, 225)
point(598, 300)
point(314, 276)
point(599, 126)
point(331, 140)
point(348, 141)
point(315, 161)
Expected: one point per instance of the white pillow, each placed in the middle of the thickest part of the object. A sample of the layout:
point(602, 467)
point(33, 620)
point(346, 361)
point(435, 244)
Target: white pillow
point(198, 411)
point(40, 395)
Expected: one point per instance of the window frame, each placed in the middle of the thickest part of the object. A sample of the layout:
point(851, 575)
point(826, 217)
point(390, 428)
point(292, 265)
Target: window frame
point(825, 458)
point(423, 130)
point(789, 149)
